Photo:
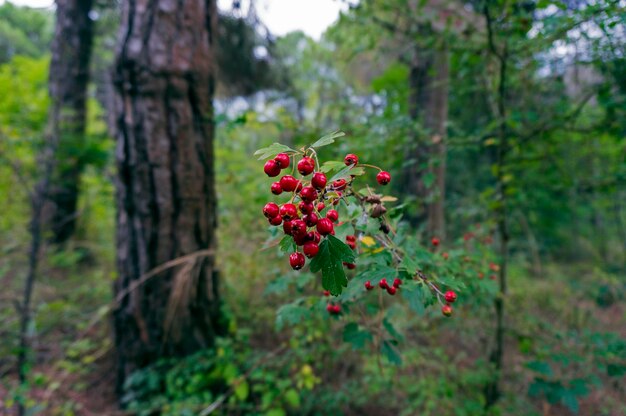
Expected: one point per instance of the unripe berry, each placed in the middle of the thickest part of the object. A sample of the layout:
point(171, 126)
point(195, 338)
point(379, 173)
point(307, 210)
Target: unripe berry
point(368, 285)
point(308, 194)
point(310, 249)
point(296, 260)
point(351, 159)
point(332, 215)
point(397, 282)
point(276, 188)
point(446, 310)
point(450, 296)
point(270, 210)
point(283, 160)
point(276, 220)
point(289, 183)
point(306, 207)
point(434, 241)
point(383, 178)
point(288, 211)
point(311, 219)
point(319, 180)
point(339, 184)
point(306, 165)
point(271, 168)
point(325, 226)
point(383, 283)
point(392, 290)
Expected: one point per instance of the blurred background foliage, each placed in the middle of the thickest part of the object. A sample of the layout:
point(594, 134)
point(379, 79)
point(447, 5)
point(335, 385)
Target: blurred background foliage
point(566, 176)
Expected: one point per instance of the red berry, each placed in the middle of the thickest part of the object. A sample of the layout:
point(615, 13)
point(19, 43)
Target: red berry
point(283, 160)
point(305, 207)
point(383, 178)
point(289, 183)
point(450, 296)
point(350, 238)
point(325, 226)
point(330, 308)
point(435, 241)
point(313, 236)
point(288, 211)
point(445, 255)
point(276, 188)
point(351, 159)
point(336, 201)
point(481, 275)
point(270, 210)
point(308, 194)
point(320, 206)
point(337, 309)
point(310, 249)
point(494, 267)
point(326, 293)
point(310, 219)
point(319, 180)
point(296, 260)
point(287, 227)
point(332, 215)
point(392, 290)
point(350, 266)
point(300, 239)
point(339, 184)
point(276, 220)
point(299, 186)
point(271, 168)
point(383, 283)
point(306, 165)
point(368, 285)
point(397, 282)
point(298, 227)
point(351, 244)
point(446, 310)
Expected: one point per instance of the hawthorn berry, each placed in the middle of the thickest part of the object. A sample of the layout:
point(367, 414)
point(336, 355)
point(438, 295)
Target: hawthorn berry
point(392, 290)
point(326, 293)
point(450, 296)
point(383, 283)
point(300, 238)
point(283, 160)
point(298, 227)
point(350, 238)
point(446, 310)
point(276, 220)
point(330, 308)
point(308, 194)
point(306, 207)
point(434, 241)
point(350, 266)
point(296, 260)
point(270, 210)
point(288, 211)
point(318, 181)
point(337, 309)
point(310, 219)
point(383, 177)
point(397, 282)
point(351, 159)
point(289, 183)
point(287, 227)
point(310, 249)
point(351, 244)
point(271, 168)
point(325, 226)
point(320, 206)
point(314, 236)
point(276, 188)
point(332, 215)
point(340, 184)
point(368, 285)
point(306, 165)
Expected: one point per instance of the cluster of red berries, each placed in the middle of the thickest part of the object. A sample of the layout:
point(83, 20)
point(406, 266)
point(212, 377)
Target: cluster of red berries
point(306, 222)
point(450, 297)
point(384, 285)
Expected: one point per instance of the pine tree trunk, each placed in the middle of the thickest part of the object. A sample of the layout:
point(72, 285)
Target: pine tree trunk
point(68, 79)
point(164, 127)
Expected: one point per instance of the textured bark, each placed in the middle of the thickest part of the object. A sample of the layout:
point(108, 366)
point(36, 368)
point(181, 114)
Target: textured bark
point(69, 76)
point(164, 127)
point(428, 104)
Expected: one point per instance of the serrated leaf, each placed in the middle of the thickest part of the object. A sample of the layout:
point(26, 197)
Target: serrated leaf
point(355, 336)
point(389, 350)
point(329, 259)
point(292, 313)
point(347, 172)
point(273, 150)
point(540, 367)
point(331, 165)
point(287, 245)
point(328, 139)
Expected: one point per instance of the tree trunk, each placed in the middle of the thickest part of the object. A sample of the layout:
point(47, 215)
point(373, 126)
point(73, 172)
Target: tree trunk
point(164, 85)
point(69, 76)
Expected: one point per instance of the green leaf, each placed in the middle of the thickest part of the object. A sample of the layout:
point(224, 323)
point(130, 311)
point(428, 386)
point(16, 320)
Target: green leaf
point(389, 350)
point(332, 165)
point(540, 367)
point(569, 399)
point(355, 336)
point(292, 398)
point(287, 245)
point(428, 179)
point(273, 150)
point(330, 258)
point(346, 172)
point(292, 313)
point(328, 139)
point(242, 390)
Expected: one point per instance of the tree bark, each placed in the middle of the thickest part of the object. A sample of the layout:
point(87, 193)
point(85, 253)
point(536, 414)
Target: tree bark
point(68, 79)
point(164, 86)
